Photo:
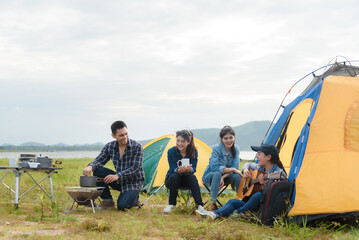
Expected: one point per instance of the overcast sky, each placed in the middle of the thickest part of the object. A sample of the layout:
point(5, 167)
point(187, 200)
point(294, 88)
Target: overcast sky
point(68, 69)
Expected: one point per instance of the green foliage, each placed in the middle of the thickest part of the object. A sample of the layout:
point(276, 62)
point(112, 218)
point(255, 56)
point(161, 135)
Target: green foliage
point(94, 225)
point(44, 209)
point(37, 213)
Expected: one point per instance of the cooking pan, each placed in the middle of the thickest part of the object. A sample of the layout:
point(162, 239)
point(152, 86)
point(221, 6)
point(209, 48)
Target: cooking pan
point(89, 181)
point(46, 162)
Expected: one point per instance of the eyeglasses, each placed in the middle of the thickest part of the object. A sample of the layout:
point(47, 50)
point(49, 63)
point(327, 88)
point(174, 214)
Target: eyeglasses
point(183, 132)
point(259, 153)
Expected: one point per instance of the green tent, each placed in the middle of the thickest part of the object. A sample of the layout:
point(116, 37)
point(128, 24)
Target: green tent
point(155, 163)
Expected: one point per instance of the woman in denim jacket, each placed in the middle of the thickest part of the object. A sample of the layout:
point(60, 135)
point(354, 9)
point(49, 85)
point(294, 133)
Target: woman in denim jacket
point(223, 168)
point(268, 162)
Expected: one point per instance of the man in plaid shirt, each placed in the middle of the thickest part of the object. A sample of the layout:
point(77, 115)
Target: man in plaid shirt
point(127, 158)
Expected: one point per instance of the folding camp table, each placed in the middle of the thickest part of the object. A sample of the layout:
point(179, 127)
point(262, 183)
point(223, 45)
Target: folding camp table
point(18, 171)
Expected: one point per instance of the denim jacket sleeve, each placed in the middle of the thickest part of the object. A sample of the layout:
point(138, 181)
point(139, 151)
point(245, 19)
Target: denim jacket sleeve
point(215, 160)
point(250, 165)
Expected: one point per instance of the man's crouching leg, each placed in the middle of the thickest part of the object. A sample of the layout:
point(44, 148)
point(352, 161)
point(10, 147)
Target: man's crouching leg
point(128, 199)
point(102, 172)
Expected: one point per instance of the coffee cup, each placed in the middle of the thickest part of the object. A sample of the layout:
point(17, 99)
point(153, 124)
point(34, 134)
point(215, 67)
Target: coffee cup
point(183, 162)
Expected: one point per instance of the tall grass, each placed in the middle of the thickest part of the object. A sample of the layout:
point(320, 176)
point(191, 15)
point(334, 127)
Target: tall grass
point(38, 218)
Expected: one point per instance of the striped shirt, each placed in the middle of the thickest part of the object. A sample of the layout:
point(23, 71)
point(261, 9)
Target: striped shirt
point(128, 167)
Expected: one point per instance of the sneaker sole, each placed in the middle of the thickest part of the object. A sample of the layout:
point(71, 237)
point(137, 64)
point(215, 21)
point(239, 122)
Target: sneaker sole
point(168, 211)
point(198, 214)
point(210, 218)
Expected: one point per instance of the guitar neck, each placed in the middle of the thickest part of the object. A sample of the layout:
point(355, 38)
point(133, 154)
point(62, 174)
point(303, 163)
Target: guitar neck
point(254, 181)
point(275, 175)
point(265, 177)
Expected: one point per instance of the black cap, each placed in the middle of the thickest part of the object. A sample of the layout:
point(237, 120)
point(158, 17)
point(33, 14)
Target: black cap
point(267, 149)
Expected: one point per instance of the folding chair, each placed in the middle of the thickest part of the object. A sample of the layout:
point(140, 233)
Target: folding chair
point(185, 191)
point(158, 189)
point(188, 192)
point(182, 189)
point(219, 193)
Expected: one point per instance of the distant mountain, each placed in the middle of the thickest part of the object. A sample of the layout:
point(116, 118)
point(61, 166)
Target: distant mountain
point(90, 144)
point(32, 144)
point(62, 145)
point(7, 144)
point(208, 135)
point(248, 134)
point(251, 134)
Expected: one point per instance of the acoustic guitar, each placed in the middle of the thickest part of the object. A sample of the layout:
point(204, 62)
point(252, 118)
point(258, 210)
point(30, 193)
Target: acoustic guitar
point(249, 186)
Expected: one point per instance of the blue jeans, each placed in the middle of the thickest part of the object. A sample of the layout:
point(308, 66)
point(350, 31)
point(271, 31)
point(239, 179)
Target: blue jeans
point(234, 179)
point(125, 200)
point(239, 206)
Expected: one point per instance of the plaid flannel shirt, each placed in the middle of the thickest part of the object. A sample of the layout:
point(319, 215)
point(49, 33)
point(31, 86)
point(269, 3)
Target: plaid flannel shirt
point(129, 167)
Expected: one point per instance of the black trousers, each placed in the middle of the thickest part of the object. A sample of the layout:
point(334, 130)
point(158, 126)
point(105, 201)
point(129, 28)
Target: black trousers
point(175, 181)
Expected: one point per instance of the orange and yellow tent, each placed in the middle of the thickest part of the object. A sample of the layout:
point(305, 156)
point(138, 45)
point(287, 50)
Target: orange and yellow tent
point(317, 135)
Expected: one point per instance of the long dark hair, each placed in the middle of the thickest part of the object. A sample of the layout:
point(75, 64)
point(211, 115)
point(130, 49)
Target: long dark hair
point(188, 136)
point(275, 160)
point(224, 131)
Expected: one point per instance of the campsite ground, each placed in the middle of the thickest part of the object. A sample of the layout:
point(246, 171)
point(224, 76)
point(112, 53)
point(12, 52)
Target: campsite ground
point(38, 219)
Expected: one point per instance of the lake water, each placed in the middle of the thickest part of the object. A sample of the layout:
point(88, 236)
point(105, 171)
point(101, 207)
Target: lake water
point(248, 155)
point(54, 155)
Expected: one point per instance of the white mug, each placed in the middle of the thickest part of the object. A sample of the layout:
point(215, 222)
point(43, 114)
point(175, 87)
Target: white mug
point(184, 162)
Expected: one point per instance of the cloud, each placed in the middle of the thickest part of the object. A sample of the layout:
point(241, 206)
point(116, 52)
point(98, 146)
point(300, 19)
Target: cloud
point(69, 69)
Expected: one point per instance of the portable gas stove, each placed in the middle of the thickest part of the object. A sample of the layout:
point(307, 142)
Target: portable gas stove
point(85, 196)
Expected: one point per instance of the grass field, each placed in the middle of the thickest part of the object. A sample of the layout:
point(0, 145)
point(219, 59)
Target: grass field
point(37, 218)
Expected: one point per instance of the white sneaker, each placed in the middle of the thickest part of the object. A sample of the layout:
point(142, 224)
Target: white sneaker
point(200, 212)
point(200, 208)
point(206, 214)
point(168, 208)
point(211, 216)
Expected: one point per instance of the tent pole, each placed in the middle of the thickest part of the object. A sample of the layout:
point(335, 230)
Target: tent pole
point(152, 195)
